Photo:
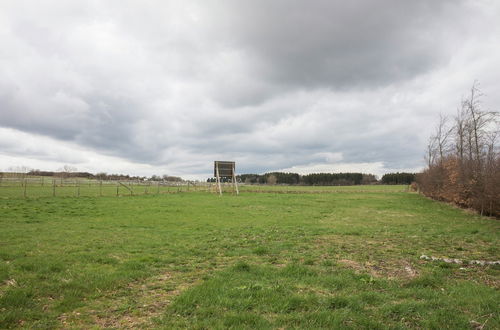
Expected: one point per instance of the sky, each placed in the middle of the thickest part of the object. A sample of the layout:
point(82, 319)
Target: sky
point(167, 87)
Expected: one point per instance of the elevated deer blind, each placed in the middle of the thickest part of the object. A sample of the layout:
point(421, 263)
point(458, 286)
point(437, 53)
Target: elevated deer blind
point(225, 169)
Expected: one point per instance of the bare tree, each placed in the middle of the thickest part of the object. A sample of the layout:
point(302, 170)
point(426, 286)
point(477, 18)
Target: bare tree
point(443, 133)
point(431, 151)
point(272, 179)
point(66, 170)
point(69, 169)
point(468, 170)
point(460, 129)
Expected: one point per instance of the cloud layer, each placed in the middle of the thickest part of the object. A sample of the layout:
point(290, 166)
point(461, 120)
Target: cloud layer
point(172, 86)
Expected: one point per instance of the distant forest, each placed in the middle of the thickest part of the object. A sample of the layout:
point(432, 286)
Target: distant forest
point(321, 179)
point(398, 178)
point(97, 176)
point(314, 179)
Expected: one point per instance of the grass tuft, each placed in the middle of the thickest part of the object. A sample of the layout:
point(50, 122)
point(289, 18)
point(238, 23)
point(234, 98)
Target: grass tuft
point(241, 266)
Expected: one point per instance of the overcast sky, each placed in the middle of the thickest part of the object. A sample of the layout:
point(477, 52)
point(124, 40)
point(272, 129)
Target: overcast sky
point(167, 87)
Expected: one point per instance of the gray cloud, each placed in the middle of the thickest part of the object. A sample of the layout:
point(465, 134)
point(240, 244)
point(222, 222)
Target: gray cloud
point(338, 44)
point(273, 84)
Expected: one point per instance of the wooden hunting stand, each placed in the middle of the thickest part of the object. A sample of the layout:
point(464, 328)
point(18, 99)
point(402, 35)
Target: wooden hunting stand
point(223, 169)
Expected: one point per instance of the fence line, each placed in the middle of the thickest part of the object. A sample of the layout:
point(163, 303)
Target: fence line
point(78, 187)
point(33, 187)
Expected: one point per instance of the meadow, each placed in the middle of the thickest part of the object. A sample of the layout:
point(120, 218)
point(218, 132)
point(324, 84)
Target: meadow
point(338, 258)
point(36, 187)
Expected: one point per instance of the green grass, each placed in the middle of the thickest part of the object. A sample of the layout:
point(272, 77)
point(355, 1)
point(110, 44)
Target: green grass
point(322, 189)
point(258, 260)
point(87, 188)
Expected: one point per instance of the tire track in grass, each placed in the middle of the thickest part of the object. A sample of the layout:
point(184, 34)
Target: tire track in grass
point(140, 302)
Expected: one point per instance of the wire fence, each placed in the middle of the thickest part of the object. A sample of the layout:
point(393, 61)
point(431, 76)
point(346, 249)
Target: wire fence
point(33, 187)
point(43, 186)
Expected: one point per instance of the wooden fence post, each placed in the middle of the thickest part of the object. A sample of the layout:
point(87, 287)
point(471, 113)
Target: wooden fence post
point(53, 188)
point(24, 190)
point(218, 179)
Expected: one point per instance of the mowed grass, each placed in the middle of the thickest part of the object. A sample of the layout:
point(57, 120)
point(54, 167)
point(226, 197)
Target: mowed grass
point(44, 187)
point(89, 188)
point(320, 189)
point(258, 260)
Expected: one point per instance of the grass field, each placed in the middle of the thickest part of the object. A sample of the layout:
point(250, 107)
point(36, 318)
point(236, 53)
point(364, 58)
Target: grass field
point(54, 187)
point(258, 260)
point(321, 189)
point(48, 187)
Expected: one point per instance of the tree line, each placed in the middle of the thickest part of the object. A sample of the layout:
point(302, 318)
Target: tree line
point(398, 178)
point(463, 158)
point(324, 179)
point(68, 172)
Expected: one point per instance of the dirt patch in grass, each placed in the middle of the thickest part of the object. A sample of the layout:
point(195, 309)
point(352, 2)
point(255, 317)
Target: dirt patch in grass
point(368, 256)
point(133, 306)
point(352, 264)
point(140, 302)
point(392, 270)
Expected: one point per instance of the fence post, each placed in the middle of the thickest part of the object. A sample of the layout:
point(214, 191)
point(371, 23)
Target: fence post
point(158, 187)
point(24, 190)
point(117, 186)
point(53, 188)
point(78, 189)
point(100, 188)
